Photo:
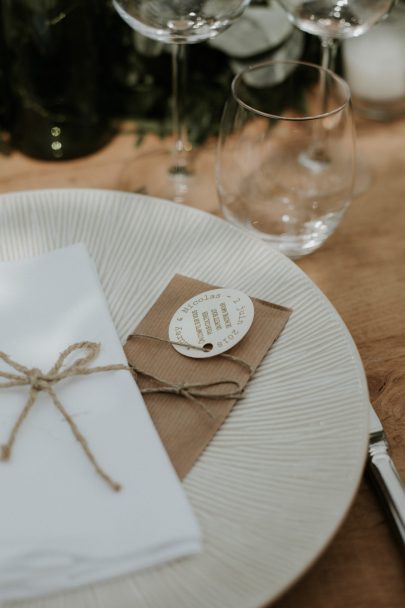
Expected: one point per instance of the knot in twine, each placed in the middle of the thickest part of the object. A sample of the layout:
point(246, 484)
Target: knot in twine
point(38, 381)
point(193, 392)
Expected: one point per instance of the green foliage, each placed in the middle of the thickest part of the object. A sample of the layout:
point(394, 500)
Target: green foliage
point(140, 87)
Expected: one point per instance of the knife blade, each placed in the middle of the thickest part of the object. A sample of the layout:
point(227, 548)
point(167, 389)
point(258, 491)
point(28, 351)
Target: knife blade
point(385, 477)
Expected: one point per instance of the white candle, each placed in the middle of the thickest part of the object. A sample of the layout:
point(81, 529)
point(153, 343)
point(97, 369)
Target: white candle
point(375, 62)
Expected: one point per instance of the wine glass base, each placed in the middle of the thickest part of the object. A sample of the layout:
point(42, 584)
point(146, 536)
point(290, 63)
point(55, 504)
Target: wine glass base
point(180, 179)
point(319, 162)
point(316, 161)
point(151, 171)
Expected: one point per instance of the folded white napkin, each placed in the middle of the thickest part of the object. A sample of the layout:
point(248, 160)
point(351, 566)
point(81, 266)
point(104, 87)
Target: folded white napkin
point(61, 525)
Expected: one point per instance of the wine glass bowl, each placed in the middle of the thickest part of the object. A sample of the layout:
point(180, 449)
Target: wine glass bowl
point(180, 21)
point(336, 18)
point(268, 180)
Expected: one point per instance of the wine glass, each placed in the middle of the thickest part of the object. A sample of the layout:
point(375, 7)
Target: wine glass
point(179, 22)
point(333, 20)
point(269, 122)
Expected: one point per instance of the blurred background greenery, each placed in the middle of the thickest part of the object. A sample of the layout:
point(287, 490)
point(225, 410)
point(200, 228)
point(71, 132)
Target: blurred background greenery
point(72, 73)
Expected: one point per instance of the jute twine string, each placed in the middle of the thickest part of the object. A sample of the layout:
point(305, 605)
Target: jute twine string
point(193, 392)
point(39, 381)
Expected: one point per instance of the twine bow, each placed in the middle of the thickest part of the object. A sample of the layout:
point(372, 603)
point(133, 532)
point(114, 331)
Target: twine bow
point(192, 392)
point(38, 381)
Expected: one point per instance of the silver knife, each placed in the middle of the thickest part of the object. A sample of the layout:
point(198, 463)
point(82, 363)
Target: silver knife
point(385, 476)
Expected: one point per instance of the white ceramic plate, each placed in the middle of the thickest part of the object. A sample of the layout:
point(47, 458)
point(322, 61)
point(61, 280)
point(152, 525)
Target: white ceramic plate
point(275, 483)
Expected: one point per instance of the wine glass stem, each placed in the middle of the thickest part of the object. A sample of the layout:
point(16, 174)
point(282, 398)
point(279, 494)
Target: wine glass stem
point(317, 156)
point(329, 49)
point(182, 146)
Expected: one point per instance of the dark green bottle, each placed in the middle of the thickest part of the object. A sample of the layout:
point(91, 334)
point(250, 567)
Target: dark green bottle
point(55, 59)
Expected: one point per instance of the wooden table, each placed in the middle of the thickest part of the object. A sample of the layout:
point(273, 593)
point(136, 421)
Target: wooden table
point(361, 269)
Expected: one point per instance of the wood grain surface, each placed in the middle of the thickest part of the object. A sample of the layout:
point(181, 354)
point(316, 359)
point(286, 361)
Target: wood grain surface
point(361, 269)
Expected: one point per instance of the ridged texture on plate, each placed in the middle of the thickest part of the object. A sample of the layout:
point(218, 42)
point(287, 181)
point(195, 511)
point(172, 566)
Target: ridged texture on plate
point(276, 481)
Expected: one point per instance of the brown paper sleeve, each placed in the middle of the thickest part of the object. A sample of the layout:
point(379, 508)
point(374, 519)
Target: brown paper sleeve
point(184, 428)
